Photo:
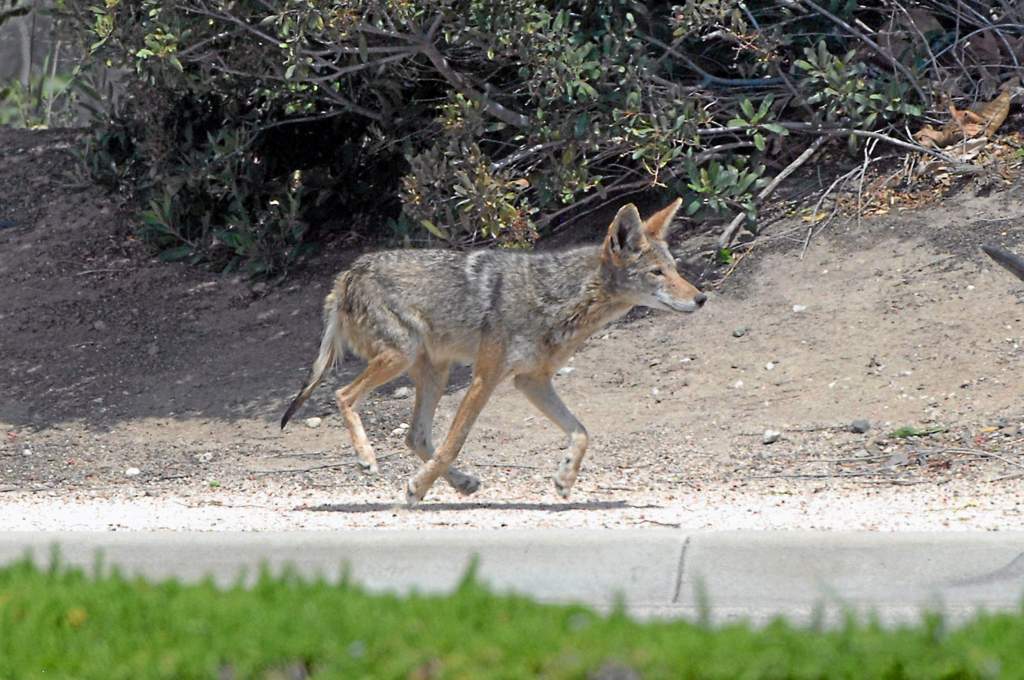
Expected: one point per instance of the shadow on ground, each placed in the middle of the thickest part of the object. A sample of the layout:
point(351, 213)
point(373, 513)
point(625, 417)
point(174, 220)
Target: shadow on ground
point(353, 508)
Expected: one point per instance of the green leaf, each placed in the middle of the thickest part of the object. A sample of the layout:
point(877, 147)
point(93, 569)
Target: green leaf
point(759, 141)
point(693, 207)
point(747, 108)
point(175, 254)
point(582, 124)
point(434, 229)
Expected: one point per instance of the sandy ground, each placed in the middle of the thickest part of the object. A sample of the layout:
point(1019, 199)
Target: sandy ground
point(140, 395)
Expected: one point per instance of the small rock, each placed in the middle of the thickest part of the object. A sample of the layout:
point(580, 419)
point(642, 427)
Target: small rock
point(686, 360)
point(26, 452)
point(259, 288)
point(1010, 430)
point(739, 332)
point(799, 308)
point(204, 457)
point(153, 350)
point(566, 370)
point(897, 459)
point(769, 366)
point(132, 472)
point(313, 422)
point(401, 393)
point(770, 436)
point(860, 426)
point(737, 385)
point(398, 432)
point(100, 326)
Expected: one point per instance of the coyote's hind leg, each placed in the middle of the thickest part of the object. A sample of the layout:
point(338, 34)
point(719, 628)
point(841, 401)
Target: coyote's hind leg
point(382, 368)
point(431, 379)
point(488, 370)
point(541, 393)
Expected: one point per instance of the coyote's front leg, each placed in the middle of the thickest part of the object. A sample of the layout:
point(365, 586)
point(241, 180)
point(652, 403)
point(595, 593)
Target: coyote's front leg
point(541, 393)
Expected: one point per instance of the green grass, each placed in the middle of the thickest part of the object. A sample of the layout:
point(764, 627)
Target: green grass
point(62, 623)
point(909, 431)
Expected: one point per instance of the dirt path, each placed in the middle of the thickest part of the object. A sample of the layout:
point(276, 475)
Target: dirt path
point(111, 361)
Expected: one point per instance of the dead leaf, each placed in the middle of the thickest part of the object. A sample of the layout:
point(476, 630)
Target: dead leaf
point(969, 123)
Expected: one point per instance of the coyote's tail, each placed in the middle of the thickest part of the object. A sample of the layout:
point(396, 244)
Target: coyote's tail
point(1014, 263)
point(331, 351)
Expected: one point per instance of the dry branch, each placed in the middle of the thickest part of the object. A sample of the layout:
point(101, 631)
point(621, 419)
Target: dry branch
point(730, 231)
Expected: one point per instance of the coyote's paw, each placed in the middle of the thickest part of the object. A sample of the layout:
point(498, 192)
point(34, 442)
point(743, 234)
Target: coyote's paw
point(565, 478)
point(463, 483)
point(563, 486)
point(369, 468)
point(412, 498)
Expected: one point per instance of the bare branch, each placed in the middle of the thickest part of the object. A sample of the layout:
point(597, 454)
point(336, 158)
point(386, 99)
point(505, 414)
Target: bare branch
point(460, 83)
point(730, 231)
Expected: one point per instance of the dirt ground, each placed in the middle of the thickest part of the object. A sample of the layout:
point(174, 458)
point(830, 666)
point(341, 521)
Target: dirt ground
point(136, 394)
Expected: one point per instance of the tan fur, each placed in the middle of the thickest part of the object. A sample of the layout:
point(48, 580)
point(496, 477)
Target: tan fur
point(508, 314)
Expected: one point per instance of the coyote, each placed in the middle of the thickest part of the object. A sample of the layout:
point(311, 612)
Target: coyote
point(507, 313)
point(1013, 263)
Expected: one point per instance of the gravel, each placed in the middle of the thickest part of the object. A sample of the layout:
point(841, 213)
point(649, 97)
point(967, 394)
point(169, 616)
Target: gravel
point(838, 506)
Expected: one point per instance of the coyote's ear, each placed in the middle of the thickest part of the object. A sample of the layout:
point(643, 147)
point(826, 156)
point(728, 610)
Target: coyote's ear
point(657, 224)
point(625, 233)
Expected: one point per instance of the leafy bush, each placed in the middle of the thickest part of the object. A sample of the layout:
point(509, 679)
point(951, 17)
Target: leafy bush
point(41, 97)
point(61, 623)
point(251, 129)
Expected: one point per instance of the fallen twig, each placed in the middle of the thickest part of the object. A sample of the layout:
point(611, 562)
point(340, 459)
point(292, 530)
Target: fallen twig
point(1007, 478)
point(326, 466)
point(979, 452)
point(826, 475)
point(817, 207)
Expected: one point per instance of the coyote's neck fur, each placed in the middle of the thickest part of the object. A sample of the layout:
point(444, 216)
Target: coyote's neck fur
point(593, 304)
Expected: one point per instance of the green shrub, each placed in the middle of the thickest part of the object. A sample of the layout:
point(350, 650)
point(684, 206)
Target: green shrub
point(250, 129)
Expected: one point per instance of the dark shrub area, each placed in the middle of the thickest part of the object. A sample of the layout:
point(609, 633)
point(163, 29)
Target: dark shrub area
point(247, 131)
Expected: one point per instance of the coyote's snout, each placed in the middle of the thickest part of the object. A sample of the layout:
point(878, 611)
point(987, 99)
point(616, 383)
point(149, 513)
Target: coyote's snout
point(508, 314)
point(1013, 263)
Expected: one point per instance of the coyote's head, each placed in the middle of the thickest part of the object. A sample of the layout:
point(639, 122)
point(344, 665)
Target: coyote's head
point(641, 269)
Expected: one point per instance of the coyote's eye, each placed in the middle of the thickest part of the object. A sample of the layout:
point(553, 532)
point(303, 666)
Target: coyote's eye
point(658, 272)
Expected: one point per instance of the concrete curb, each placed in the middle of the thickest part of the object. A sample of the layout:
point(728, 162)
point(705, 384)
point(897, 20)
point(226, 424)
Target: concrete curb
point(721, 576)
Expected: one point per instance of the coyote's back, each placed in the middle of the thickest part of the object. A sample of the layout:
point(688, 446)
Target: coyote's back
point(507, 313)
